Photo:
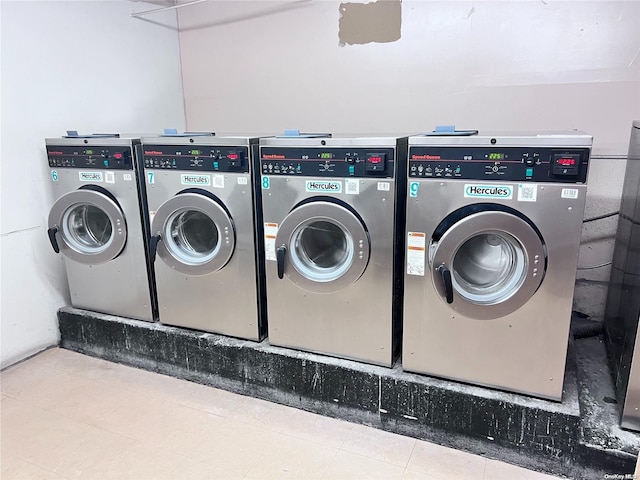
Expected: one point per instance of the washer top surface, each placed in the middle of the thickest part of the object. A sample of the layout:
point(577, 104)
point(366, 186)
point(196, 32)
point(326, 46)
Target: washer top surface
point(489, 139)
point(368, 140)
point(222, 140)
point(92, 141)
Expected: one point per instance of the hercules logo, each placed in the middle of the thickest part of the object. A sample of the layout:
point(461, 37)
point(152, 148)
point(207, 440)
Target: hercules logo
point(488, 191)
point(323, 186)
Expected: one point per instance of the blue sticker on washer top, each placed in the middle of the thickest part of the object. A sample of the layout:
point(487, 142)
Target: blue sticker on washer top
point(413, 189)
point(54, 175)
point(265, 183)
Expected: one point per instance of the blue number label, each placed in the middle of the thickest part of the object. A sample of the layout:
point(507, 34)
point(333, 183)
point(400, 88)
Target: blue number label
point(265, 183)
point(54, 175)
point(413, 189)
point(151, 177)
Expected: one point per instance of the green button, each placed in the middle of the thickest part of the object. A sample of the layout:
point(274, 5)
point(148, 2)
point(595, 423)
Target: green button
point(352, 169)
point(529, 172)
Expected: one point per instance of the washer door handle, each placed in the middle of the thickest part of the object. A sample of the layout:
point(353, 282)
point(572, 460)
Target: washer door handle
point(153, 247)
point(280, 253)
point(52, 238)
point(445, 275)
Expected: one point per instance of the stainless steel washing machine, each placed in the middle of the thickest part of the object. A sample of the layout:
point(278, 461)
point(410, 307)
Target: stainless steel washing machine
point(330, 214)
point(97, 225)
point(493, 229)
point(200, 191)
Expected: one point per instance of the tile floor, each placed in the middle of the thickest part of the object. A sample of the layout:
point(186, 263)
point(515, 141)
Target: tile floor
point(69, 416)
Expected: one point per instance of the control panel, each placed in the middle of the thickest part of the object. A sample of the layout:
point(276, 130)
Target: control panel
point(327, 161)
point(101, 158)
point(202, 158)
point(519, 164)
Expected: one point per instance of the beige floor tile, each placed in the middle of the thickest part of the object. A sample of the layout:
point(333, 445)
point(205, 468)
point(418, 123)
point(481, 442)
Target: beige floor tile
point(146, 462)
point(76, 397)
point(32, 433)
point(381, 445)
point(350, 466)
point(445, 463)
point(186, 428)
point(329, 432)
point(263, 414)
point(414, 475)
point(139, 417)
point(23, 375)
point(15, 468)
point(292, 458)
point(209, 399)
point(203, 471)
point(495, 470)
point(150, 382)
point(91, 449)
point(235, 445)
point(72, 362)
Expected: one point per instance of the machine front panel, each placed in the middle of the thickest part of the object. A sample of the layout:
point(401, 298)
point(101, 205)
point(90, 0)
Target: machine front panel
point(515, 164)
point(111, 157)
point(203, 158)
point(327, 162)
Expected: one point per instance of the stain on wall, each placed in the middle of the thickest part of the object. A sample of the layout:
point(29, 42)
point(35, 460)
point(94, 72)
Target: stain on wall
point(362, 23)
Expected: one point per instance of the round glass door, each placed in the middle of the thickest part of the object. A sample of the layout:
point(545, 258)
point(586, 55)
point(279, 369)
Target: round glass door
point(489, 267)
point(197, 234)
point(496, 260)
point(192, 236)
point(91, 226)
point(87, 228)
point(327, 246)
point(322, 250)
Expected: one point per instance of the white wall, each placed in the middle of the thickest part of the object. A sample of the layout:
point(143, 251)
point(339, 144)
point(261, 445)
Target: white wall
point(86, 66)
point(543, 65)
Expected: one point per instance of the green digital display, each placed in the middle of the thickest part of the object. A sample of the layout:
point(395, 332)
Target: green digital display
point(195, 152)
point(325, 155)
point(89, 152)
point(496, 156)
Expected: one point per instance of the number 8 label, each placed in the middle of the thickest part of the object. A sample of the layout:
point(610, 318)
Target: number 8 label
point(265, 183)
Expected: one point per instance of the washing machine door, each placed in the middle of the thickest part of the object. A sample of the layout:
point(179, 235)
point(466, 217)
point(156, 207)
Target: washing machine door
point(487, 263)
point(88, 226)
point(193, 233)
point(322, 246)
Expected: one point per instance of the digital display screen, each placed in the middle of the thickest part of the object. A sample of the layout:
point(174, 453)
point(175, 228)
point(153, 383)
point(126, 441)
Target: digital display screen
point(374, 159)
point(89, 152)
point(195, 152)
point(496, 156)
point(566, 161)
point(117, 156)
point(232, 156)
point(326, 155)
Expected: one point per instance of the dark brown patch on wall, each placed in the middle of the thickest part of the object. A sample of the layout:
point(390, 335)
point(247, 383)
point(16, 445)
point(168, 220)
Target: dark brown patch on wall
point(362, 23)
